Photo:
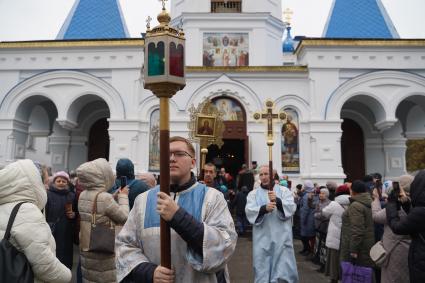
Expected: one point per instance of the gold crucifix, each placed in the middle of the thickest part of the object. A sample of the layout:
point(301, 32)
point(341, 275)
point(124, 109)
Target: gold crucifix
point(148, 22)
point(269, 116)
point(163, 3)
point(287, 15)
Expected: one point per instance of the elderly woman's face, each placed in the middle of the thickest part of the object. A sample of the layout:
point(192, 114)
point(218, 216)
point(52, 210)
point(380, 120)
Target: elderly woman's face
point(322, 196)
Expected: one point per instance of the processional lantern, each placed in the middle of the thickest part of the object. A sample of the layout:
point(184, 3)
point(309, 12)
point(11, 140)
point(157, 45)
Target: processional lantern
point(164, 76)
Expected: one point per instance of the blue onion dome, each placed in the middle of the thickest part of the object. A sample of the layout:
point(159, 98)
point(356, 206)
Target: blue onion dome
point(288, 43)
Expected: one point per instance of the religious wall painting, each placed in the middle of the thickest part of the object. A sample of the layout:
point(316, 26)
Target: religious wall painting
point(154, 141)
point(205, 126)
point(225, 49)
point(232, 111)
point(290, 142)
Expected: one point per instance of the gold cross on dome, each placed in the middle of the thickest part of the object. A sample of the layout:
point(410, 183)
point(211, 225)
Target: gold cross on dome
point(287, 15)
point(163, 3)
point(148, 22)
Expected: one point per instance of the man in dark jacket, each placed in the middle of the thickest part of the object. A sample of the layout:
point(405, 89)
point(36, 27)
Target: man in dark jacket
point(412, 224)
point(357, 235)
point(125, 168)
point(239, 202)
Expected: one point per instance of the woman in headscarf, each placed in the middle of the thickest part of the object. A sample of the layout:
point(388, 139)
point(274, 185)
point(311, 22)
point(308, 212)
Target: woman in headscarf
point(21, 181)
point(96, 177)
point(321, 225)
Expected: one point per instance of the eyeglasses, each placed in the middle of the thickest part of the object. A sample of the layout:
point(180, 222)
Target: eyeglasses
point(180, 154)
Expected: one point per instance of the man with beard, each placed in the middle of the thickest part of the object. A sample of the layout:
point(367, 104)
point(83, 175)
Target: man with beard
point(270, 213)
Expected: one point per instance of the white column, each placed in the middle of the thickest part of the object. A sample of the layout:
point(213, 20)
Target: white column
point(125, 141)
point(323, 148)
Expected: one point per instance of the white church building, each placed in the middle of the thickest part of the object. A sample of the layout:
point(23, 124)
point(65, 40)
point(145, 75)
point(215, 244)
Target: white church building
point(353, 97)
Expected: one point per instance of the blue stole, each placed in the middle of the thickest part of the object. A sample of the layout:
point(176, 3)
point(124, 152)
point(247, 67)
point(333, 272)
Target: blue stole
point(191, 200)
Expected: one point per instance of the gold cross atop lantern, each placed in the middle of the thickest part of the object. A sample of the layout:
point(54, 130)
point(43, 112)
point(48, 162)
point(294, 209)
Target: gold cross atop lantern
point(268, 115)
point(206, 127)
point(164, 75)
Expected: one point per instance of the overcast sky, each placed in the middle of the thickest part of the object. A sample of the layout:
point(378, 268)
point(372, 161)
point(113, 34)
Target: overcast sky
point(42, 19)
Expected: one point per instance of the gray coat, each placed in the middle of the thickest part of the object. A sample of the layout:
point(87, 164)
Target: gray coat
point(306, 217)
point(396, 269)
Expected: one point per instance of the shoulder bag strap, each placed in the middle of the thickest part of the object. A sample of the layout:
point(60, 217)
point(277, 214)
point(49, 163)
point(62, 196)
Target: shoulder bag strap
point(11, 220)
point(94, 209)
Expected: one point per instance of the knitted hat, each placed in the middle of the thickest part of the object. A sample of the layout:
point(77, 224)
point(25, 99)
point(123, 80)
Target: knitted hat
point(283, 183)
point(62, 174)
point(308, 184)
point(358, 187)
point(331, 185)
point(342, 190)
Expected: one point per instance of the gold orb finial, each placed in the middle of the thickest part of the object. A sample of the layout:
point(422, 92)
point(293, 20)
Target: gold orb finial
point(269, 103)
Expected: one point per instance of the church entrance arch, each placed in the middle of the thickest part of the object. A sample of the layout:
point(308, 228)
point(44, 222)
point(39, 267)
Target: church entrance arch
point(234, 151)
point(98, 143)
point(352, 150)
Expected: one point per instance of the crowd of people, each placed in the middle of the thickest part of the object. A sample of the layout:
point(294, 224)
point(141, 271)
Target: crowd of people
point(335, 223)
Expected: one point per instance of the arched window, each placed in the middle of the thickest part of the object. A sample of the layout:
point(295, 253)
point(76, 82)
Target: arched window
point(226, 6)
point(290, 142)
point(154, 141)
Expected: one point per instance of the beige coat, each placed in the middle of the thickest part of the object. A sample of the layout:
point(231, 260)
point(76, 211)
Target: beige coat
point(20, 181)
point(96, 176)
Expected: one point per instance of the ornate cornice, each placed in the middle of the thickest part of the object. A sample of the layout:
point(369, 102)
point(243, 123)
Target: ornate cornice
point(246, 69)
point(309, 42)
point(72, 43)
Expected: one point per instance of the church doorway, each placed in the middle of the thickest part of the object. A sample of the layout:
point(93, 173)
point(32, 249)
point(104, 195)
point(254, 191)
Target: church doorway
point(352, 150)
point(234, 151)
point(98, 145)
point(230, 156)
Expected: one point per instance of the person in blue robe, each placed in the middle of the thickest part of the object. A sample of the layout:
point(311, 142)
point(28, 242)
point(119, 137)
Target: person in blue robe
point(270, 213)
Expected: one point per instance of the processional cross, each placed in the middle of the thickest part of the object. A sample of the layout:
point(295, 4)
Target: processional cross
point(269, 116)
point(163, 3)
point(148, 22)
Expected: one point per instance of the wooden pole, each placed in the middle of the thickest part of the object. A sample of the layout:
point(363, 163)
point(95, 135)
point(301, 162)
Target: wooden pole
point(164, 157)
point(204, 152)
point(270, 145)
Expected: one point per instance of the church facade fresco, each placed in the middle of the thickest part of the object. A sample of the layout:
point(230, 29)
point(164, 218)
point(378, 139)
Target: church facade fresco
point(225, 49)
point(290, 142)
point(232, 111)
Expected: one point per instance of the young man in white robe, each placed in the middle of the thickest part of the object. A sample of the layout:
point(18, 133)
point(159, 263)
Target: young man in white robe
point(203, 235)
point(270, 213)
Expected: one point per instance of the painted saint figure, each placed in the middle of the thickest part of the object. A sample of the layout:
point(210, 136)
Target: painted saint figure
point(290, 136)
point(206, 129)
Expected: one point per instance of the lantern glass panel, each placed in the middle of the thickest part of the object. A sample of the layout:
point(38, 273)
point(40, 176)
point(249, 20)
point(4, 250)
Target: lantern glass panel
point(176, 60)
point(156, 59)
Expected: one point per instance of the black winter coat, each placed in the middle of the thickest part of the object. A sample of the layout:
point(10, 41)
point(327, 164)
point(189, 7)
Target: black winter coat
point(414, 225)
point(63, 231)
